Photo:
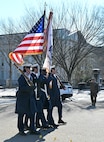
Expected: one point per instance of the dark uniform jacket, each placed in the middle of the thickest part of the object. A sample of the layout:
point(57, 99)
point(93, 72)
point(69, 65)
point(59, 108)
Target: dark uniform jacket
point(54, 92)
point(94, 88)
point(43, 96)
point(25, 103)
point(37, 84)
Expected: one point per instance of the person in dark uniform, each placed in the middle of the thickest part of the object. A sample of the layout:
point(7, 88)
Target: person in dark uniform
point(39, 97)
point(25, 102)
point(55, 95)
point(50, 119)
point(94, 88)
point(34, 75)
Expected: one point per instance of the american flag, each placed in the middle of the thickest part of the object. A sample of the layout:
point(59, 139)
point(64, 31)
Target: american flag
point(31, 44)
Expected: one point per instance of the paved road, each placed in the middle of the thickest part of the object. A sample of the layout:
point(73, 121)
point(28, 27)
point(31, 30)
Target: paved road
point(84, 123)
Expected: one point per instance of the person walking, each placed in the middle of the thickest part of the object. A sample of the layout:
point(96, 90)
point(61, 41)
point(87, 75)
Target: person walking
point(94, 88)
point(37, 80)
point(55, 95)
point(25, 102)
point(34, 75)
point(50, 119)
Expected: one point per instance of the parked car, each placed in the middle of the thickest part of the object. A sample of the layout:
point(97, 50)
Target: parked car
point(67, 92)
point(82, 85)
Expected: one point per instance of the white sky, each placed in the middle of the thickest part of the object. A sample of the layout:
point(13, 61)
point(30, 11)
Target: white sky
point(16, 8)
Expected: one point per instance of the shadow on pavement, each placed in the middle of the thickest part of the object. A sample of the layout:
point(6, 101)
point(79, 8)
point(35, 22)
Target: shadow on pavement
point(73, 105)
point(90, 107)
point(30, 138)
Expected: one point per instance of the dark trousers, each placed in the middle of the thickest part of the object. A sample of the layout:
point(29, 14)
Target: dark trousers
point(26, 121)
point(49, 114)
point(59, 107)
point(40, 117)
point(32, 126)
point(50, 117)
point(40, 114)
point(21, 123)
point(93, 99)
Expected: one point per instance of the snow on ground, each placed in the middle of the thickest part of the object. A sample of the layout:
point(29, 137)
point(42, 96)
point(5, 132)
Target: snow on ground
point(85, 94)
point(81, 95)
point(7, 92)
point(7, 95)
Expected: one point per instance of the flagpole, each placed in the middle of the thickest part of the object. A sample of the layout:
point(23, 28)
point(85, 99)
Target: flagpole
point(45, 4)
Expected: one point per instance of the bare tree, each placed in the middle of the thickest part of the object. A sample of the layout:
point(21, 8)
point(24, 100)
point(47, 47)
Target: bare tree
point(71, 48)
point(8, 42)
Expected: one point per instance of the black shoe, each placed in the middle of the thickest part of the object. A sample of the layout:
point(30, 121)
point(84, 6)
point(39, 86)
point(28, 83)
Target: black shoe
point(61, 122)
point(46, 127)
point(93, 103)
point(22, 133)
point(54, 125)
point(35, 132)
point(26, 128)
point(38, 126)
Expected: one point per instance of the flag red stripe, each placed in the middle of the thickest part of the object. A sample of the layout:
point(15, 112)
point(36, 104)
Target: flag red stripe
point(18, 57)
point(30, 44)
point(28, 51)
point(15, 57)
point(33, 38)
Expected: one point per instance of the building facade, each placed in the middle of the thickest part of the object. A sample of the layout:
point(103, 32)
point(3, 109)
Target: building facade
point(8, 72)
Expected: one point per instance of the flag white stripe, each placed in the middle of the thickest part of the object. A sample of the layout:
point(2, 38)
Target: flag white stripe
point(29, 48)
point(16, 59)
point(32, 41)
point(34, 34)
